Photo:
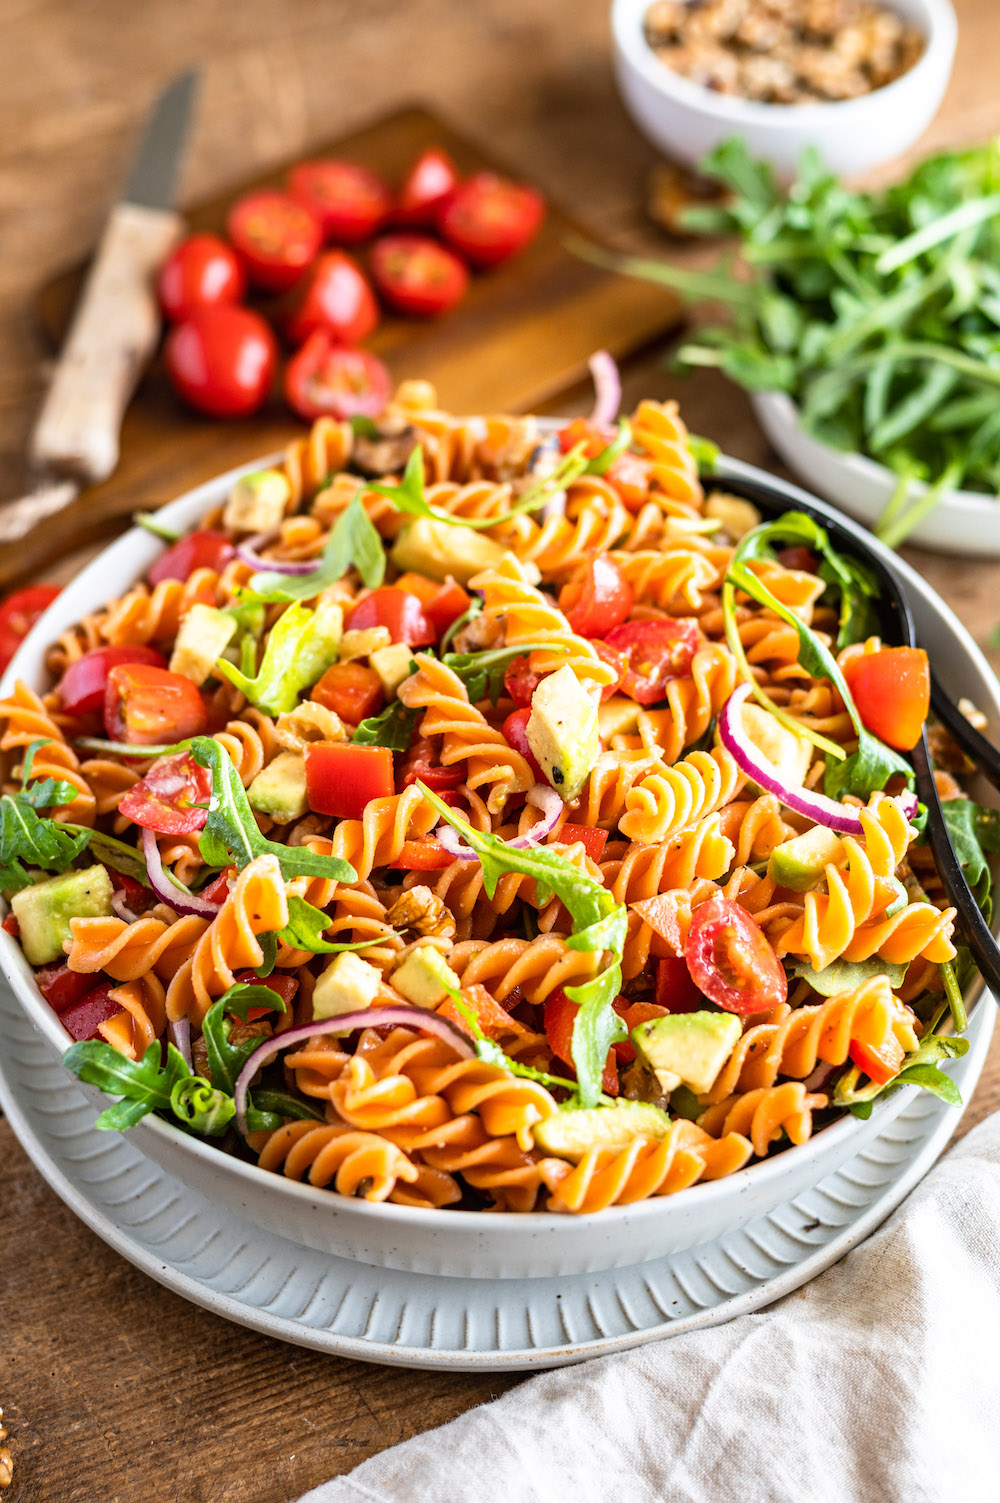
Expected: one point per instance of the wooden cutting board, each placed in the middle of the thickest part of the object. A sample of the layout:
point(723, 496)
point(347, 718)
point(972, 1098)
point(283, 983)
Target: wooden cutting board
point(522, 336)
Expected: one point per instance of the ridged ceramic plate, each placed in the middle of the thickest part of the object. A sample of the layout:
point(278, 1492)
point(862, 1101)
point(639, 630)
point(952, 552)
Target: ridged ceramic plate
point(250, 1276)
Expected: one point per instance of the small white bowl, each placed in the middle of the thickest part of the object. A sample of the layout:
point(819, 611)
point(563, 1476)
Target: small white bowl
point(966, 522)
point(686, 120)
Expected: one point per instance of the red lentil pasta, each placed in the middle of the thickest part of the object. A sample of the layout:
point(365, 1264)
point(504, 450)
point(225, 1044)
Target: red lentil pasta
point(436, 742)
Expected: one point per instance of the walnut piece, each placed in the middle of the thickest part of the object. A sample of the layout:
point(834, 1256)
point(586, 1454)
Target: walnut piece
point(421, 909)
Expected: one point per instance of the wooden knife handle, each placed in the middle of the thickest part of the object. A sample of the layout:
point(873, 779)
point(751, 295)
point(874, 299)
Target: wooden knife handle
point(112, 336)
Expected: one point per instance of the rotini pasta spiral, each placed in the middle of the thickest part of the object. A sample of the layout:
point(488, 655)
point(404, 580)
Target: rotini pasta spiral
point(671, 797)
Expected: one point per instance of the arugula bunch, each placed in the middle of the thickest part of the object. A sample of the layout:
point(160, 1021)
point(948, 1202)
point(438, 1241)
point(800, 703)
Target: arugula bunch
point(28, 836)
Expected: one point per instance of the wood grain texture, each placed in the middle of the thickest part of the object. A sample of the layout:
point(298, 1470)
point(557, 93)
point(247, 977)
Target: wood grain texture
point(115, 1390)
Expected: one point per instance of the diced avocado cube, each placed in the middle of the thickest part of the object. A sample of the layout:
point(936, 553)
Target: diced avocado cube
point(43, 911)
point(361, 644)
point(204, 635)
point(347, 985)
point(392, 664)
point(257, 502)
point(279, 789)
point(562, 731)
point(736, 515)
point(800, 863)
point(437, 549)
point(574, 1131)
point(687, 1048)
point(789, 753)
point(425, 977)
point(617, 715)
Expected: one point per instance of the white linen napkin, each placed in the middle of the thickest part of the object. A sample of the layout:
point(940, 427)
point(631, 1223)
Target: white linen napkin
point(879, 1381)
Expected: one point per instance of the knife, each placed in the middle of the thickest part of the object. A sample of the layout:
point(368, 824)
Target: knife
point(75, 441)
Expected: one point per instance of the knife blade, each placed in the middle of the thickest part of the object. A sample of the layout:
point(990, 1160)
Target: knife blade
point(75, 441)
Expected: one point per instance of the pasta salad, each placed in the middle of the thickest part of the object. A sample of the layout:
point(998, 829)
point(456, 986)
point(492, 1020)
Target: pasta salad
point(470, 814)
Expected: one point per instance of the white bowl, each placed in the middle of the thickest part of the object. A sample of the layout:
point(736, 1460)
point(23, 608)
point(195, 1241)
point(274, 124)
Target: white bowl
point(961, 522)
point(465, 1243)
point(687, 120)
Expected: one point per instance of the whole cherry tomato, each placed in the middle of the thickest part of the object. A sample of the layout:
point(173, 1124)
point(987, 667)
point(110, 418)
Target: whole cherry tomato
point(145, 705)
point(892, 692)
point(334, 295)
point(167, 798)
point(653, 653)
point(397, 610)
point(222, 360)
point(731, 960)
point(418, 276)
point(18, 614)
point(81, 688)
point(489, 218)
point(349, 202)
point(327, 379)
point(429, 184)
point(196, 550)
point(203, 270)
point(596, 597)
point(515, 733)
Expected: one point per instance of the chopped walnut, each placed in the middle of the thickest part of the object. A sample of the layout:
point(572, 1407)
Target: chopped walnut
point(482, 632)
point(308, 827)
point(637, 1083)
point(827, 75)
point(769, 79)
point(239, 1031)
point(388, 452)
point(424, 911)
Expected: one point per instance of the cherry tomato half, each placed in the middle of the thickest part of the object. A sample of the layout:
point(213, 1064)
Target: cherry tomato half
point(653, 652)
point(560, 1015)
point(730, 959)
point(892, 691)
point(489, 218)
point(326, 379)
point(515, 732)
point(81, 688)
point(18, 614)
point(398, 611)
point(614, 660)
point(351, 690)
point(444, 607)
point(144, 705)
point(334, 295)
point(421, 762)
point(342, 779)
point(349, 201)
point(596, 597)
point(202, 270)
point(418, 276)
point(222, 360)
point(520, 680)
point(276, 238)
point(428, 186)
point(165, 799)
point(197, 550)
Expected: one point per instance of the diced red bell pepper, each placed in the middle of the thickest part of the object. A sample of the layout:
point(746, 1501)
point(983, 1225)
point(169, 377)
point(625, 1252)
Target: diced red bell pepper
point(422, 856)
point(675, 988)
point(82, 1020)
point(342, 779)
point(284, 985)
point(880, 1062)
point(11, 926)
point(81, 688)
point(62, 987)
point(592, 840)
point(491, 1015)
point(218, 890)
point(351, 690)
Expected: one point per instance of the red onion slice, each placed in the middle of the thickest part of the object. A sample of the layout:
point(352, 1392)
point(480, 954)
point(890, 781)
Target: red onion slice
point(120, 906)
point(542, 797)
point(179, 1034)
point(402, 1016)
point(554, 507)
point(607, 389)
point(821, 1077)
point(247, 552)
point(179, 899)
point(451, 841)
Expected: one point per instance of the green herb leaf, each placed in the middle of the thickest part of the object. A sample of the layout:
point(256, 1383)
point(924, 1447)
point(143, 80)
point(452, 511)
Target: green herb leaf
point(201, 1107)
point(143, 1083)
point(225, 1059)
point(26, 836)
point(706, 454)
point(597, 1026)
point(151, 522)
point(353, 541)
point(975, 833)
point(475, 609)
point(846, 975)
point(300, 647)
point(393, 728)
point(305, 927)
point(408, 495)
point(482, 673)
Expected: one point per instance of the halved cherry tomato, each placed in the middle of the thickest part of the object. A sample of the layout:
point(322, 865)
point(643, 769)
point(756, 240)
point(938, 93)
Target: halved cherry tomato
point(880, 1062)
point(596, 597)
point(218, 890)
point(349, 201)
point(279, 982)
point(422, 856)
point(18, 614)
point(520, 680)
point(442, 603)
point(892, 691)
point(62, 987)
point(579, 431)
point(198, 550)
point(221, 360)
point(398, 611)
point(334, 295)
point(351, 690)
point(342, 779)
point(489, 218)
point(614, 659)
point(326, 379)
point(560, 1015)
point(654, 652)
point(165, 799)
point(82, 1020)
point(630, 475)
point(81, 688)
point(592, 840)
point(144, 705)
point(492, 1016)
point(427, 187)
point(632, 1014)
point(417, 275)
point(201, 271)
point(798, 557)
point(276, 237)
point(675, 987)
point(730, 959)
point(421, 762)
point(515, 732)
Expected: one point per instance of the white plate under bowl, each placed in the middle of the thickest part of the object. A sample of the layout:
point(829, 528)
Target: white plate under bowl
point(961, 522)
point(198, 1248)
point(468, 1244)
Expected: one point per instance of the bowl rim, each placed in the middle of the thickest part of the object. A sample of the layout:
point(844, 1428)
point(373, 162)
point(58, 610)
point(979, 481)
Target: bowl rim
point(134, 551)
point(784, 410)
point(937, 21)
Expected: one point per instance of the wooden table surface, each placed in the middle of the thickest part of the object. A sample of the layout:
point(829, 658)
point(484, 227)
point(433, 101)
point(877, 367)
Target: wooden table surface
point(112, 1388)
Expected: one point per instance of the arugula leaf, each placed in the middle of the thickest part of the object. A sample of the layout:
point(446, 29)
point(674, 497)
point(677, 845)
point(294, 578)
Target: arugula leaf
point(975, 832)
point(922, 1070)
point(26, 836)
point(300, 647)
point(596, 1027)
point(846, 975)
point(282, 1104)
point(393, 728)
point(482, 672)
point(304, 930)
point(201, 1107)
point(45, 793)
point(491, 1054)
point(353, 540)
point(151, 522)
point(225, 1059)
point(231, 831)
point(143, 1084)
